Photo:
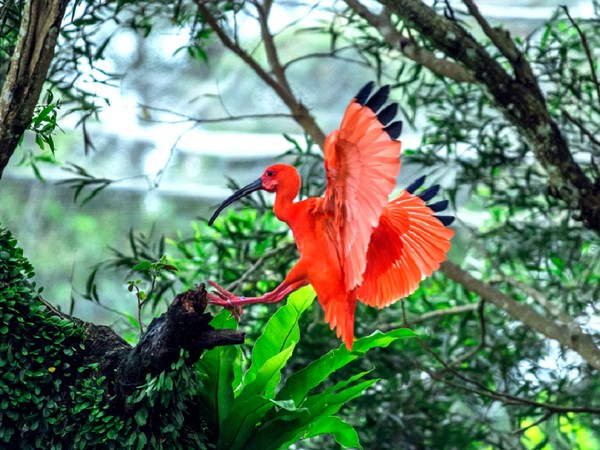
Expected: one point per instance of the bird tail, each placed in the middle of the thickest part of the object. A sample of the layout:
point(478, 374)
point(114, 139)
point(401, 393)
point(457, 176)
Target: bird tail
point(408, 245)
point(339, 314)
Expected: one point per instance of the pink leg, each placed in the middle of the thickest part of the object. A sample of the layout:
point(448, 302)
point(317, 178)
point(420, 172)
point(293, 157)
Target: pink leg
point(295, 279)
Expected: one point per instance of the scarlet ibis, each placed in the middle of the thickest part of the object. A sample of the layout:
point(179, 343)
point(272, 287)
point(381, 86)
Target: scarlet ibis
point(354, 243)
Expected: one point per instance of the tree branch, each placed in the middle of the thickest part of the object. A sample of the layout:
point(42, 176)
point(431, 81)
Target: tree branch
point(298, 110)
point(184, 326)
point(408, 47)
point(520, 102)
point(40, 25)
point(503, 42)
point(570, 335)
point(438, 313)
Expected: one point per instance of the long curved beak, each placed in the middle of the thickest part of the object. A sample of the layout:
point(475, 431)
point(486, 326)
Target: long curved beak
point(254, 186)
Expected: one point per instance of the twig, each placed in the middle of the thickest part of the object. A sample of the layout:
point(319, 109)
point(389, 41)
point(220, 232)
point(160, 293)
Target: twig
point(534, 424)
point(197, 120)
point(502, 396)
point(259, 262)
point(593, 139)
point(462, 309)
point(586, 48)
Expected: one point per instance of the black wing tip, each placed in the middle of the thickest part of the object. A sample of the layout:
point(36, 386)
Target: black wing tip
point(412, 187)
point(446, 220)
point(394, 129)
point(429, 193)
point(386, 115)
point(375, 102)
point(438, 206)
point(378, 99)
point(364, 93)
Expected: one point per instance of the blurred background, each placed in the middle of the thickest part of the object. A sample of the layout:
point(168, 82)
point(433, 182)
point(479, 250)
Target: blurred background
point(162, 130)
point(156, 129)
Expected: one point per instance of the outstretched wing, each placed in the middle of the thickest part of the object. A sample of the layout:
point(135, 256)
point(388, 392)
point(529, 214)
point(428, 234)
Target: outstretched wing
point(362, 160)
point(408, 245)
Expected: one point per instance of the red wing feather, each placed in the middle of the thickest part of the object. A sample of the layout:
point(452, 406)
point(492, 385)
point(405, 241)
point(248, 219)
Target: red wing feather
point(408, 245)
point(362, 162)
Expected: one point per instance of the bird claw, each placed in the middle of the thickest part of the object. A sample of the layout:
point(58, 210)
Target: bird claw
point(225, 299)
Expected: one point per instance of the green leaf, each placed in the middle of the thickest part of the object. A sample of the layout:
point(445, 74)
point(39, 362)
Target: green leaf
point(343, 433)
point(283, 430)
point(281, 331)
point(250, 405)
point(300, 383)
point(144, 265)
point(217, 366)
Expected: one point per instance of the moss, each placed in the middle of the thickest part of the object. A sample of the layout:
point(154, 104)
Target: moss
point(49, 399)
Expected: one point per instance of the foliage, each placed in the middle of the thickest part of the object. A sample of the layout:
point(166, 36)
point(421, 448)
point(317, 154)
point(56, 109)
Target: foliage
point(256, 409)
point(49, 399)
point(514, 234)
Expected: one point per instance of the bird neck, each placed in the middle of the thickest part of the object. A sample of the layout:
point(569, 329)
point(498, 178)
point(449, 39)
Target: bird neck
point(285, 195)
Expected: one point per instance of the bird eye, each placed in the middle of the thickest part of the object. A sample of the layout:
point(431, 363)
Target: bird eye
point(269, 173)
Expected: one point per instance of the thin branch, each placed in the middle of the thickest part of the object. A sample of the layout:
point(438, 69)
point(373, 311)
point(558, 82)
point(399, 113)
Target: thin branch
point(586, 48)
point(329, 55)
point(197, 120)
point(534, 424)
point(502, 396)
point(259, 263)
point(408, 47)
point(579, 124)
point(570, 335)
point(468, 355)
point(298, 110)
point(438, 313)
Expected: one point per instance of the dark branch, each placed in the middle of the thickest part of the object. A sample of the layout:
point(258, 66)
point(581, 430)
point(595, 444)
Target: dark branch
point(570, 335)
point(519, 100)
point(408, 47)
point(184, 326)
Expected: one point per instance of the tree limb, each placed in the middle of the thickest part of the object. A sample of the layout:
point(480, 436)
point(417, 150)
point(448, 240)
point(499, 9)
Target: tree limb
point(298, 110)
point(519, 100)
point(408, 47)
point(40, 25)
point(184, 326)
point(570, 335)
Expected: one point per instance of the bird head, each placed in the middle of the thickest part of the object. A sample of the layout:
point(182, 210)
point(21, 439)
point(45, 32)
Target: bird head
point(268, 181)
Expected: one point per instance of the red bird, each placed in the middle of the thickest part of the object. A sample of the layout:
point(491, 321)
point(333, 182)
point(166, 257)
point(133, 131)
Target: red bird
point(354, 243)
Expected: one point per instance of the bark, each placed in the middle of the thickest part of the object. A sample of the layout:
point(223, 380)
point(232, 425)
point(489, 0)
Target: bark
point(570, 334)
point(518, 96)
point(184, 325)
point(27, 72)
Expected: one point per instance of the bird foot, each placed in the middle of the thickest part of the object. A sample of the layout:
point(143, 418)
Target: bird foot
point(222, 297)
